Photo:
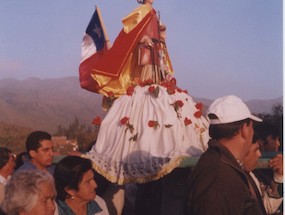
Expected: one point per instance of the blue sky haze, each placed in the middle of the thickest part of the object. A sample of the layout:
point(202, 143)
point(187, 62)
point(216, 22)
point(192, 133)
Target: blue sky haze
point(217, 47)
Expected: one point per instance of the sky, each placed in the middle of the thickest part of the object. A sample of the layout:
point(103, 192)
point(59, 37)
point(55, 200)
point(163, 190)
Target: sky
point(217, 47)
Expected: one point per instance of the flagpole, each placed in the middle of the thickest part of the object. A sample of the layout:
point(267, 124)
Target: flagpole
point(108, 44)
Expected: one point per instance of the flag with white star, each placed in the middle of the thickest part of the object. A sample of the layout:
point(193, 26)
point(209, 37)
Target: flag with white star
point(94, 30)
point(92, 49)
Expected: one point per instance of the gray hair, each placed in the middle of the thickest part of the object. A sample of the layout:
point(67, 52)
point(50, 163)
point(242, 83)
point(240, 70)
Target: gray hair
point(22, 190)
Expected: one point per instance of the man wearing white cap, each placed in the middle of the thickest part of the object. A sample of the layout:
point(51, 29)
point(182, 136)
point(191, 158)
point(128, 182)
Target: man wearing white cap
point(218, 183)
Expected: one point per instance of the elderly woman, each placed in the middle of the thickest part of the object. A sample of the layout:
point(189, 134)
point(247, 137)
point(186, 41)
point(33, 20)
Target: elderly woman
point(30, 192)
point(75, 185)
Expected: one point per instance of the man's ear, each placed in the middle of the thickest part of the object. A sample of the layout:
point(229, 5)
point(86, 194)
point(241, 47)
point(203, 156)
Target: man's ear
point(32, 153)
point(245, 129)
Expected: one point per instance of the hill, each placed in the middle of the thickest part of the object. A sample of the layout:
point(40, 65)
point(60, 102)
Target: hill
point(47, 103)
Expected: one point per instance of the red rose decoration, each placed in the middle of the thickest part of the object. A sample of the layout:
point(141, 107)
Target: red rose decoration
point(141, 83)
point(97, 121)
point(198, 114)
point(173, 81)
point(153, 124)
point(187, 121)
point(164, 84)
point(179, 90)
point(130, 90)
point(199, 106)
point(179, 103)
point(171, 89)
point(149, 82)
point(124, 120)
point(154, 91)
point(170, 85)
point(151, 89)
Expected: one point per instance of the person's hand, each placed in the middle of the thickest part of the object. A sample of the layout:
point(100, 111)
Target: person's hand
point(74, 153)
point(276, 164)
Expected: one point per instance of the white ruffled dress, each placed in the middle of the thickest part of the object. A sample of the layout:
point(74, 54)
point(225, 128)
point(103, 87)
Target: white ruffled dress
point(147, 133)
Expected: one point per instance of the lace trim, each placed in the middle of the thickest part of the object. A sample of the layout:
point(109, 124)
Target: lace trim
point(123, 173)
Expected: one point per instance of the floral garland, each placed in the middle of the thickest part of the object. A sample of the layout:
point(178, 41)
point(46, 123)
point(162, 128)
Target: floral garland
point(171, 88)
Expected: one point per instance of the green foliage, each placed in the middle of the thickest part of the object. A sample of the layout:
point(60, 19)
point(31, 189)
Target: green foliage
point(85, 135)
point(13, 137)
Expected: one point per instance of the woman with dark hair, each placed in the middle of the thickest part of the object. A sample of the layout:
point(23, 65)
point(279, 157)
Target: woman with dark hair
point(21, 158)
point(75, 185)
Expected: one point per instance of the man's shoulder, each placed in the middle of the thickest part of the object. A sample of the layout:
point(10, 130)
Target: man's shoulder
point(27, 165)
point(206, 169)
point(214, 166)
point(209, 160)
point(51, 168)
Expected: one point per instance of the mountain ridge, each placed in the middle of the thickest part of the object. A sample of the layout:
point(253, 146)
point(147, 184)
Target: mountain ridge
point(47, 103)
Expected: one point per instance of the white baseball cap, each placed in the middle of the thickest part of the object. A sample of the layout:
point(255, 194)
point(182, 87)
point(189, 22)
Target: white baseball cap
point(230, 109)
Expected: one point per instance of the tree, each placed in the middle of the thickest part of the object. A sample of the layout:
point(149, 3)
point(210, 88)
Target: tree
point(85, 135)
point(60, 131)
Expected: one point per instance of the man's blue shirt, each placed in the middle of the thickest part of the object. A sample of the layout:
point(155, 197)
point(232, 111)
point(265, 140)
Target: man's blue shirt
point(28, 165)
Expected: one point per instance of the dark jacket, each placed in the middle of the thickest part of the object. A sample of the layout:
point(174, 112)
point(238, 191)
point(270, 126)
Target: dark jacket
point(218, 185)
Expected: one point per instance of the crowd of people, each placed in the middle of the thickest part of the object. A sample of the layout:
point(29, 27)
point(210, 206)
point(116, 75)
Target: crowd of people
point(41, 187)
point(225, 179)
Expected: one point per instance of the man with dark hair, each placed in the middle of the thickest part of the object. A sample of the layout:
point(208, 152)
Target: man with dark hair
point(218, 183)
point(271, 178)
point(269, 137)
point(40, 149)
point(7, 164)
point(272, 199)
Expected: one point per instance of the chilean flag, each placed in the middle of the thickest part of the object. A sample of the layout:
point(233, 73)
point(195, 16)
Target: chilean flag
point(93, 48)
point(101, 66)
